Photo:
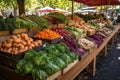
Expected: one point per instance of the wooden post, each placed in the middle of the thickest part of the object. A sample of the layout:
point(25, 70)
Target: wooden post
point(72, 9)
point(92, 67)
point(111, 42)
point(104, 51)
point(115, 37)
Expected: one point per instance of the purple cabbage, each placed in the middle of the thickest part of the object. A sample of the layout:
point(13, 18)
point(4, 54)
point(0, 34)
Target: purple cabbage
point(81, 51)
point(94, 41)
point(72, 45)
point(96, 38)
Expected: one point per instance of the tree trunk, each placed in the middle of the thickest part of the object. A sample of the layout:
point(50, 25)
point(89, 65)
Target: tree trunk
point(21, 6)
point(15, 11)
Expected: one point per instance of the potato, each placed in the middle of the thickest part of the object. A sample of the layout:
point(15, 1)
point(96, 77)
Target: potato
point(21, 46)
point(24, 36)
point(39, 42)
point(15, 45)
point(9, 50)
point(1, 49)
point(29, 47)
point(18, 35)
point(28, 42)
point(11, 40)
point(8, 45)
point(22, 50)
point(32, 45)
point(31, 39)
point(17, 40)
point(36, 44)
point(14, 37)
point(26, 48)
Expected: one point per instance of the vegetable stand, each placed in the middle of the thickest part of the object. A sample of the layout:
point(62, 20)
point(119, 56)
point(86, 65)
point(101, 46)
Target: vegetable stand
point(89, 60)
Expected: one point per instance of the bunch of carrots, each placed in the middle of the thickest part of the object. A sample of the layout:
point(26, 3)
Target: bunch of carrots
point(47, 34)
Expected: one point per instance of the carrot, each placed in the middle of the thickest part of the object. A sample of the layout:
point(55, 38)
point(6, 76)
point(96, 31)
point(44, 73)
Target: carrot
point(47, 34)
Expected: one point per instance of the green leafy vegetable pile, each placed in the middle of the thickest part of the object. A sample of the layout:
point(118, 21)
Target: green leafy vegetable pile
point(77, 33)
point(59, 16)
point(45, 62)
point(15, 23)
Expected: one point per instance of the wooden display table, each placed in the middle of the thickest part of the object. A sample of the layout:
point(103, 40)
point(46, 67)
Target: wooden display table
point(89, 60)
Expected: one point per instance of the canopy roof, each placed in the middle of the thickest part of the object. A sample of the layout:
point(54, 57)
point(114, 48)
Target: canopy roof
point(98, 2)
point(60, 10)
point(46, 9)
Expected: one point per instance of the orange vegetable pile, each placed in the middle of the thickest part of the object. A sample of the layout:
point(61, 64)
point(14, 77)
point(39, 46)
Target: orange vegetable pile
point(47, 34)
point(18, 43)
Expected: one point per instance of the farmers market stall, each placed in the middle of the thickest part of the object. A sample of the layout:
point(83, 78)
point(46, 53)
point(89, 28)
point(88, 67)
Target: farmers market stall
point(54, 46)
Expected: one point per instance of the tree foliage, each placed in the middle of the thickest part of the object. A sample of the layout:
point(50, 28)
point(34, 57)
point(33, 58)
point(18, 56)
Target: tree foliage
point(5, 4)
point(63, 4)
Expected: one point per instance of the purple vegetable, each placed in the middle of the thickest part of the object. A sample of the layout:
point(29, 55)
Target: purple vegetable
point(98, 43)
point(82, 51)
point(72, 45)
point(96, 38)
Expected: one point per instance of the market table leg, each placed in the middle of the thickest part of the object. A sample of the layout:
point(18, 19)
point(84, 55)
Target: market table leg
point(92, 67)
point(115, 37)
point(104, 51)
point(111, 42)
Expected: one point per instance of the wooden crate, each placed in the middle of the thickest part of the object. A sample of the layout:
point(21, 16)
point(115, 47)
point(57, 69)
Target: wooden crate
point(12, 56)
point(53, 41)
point(3, 38)
point(52, 26)
point(69, 66)
point(4, 33)
point(84, 35)
point(54, 76)
point(8, 62)
point(91, 33)
point(71, 23)
point(34, 29)
point(18, 31)
point(92, 49)
point(83, 56)
point(38, 48)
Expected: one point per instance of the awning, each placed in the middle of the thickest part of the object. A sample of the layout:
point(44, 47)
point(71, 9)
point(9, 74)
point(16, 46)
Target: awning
point(46, 9)
point(60, 10)
point(98, 2)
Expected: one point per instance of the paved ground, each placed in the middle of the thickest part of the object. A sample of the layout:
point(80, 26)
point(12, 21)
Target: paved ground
point(107, 68)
